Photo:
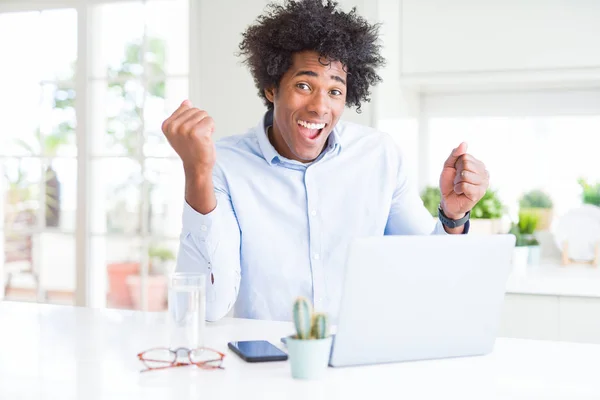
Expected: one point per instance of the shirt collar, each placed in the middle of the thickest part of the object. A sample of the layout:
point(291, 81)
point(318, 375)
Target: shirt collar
point(272, 156)
point(268, 151)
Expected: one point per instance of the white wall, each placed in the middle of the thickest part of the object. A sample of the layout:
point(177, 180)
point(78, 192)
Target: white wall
point(514, 103)
point(220, 83)
point(470, 45)
point(492, 35)
point(367, 9)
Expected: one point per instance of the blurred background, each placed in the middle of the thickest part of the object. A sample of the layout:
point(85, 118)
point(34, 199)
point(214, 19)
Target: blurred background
point(92, 194)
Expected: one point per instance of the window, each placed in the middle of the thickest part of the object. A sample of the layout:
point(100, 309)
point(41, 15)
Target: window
point(37, 153)
point(525, 153)
point(531, 140)
point(137, 74)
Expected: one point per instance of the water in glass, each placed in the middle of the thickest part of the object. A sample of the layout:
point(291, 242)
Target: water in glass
point(187, 310)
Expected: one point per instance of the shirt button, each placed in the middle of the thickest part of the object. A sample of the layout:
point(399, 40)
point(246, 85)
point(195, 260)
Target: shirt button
point(316, 256)
point(203, 228)
point(313, 213)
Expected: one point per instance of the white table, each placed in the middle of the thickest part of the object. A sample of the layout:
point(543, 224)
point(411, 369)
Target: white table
point(58, 352)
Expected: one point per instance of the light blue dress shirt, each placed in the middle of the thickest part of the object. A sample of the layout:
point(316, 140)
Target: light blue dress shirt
point(282, 228)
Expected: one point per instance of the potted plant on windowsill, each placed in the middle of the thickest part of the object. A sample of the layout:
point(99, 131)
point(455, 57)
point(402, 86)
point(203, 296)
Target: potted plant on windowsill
point(527, 249)
point(539, 203)
point(156, 281)
point(309, 348)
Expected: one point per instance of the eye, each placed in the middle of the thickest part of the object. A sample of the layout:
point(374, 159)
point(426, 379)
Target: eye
point(336, 92)
point(303, 86)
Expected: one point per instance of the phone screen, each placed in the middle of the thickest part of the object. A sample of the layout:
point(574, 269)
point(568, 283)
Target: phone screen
point(257, 350)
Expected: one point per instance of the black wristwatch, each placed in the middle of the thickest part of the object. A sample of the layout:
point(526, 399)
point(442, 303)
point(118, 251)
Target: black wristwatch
point(452, 223)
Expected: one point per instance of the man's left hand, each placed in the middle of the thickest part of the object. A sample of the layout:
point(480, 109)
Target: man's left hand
point(463, 182)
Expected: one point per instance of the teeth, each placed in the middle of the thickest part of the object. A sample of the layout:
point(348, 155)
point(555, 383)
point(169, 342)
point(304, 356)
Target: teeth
point(310, 126)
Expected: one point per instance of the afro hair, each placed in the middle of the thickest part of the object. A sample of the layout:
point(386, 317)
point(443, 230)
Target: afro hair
point(295, 26)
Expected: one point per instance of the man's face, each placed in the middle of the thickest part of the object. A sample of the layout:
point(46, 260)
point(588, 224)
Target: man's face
point(308, 103)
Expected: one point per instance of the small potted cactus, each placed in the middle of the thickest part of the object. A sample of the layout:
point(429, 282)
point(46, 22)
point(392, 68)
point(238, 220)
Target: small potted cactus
point(309, 348)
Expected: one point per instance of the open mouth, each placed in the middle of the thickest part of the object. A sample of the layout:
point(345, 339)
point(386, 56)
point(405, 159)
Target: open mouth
point(310, 129)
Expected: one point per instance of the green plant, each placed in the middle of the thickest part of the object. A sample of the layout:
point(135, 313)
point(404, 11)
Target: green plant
point(535, 199)
point(161, 253)
point(431, 197)
point(489, 207)
point(309, 325)
point(524, 229)
point(527, 222)
point(591, 192)
point(158, 257)
point(320, 326)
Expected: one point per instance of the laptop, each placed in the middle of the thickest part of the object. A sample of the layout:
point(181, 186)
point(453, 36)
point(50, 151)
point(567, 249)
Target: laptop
point(408, 298)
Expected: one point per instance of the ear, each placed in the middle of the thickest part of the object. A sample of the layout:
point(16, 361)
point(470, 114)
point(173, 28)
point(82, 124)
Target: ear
point(270, 94)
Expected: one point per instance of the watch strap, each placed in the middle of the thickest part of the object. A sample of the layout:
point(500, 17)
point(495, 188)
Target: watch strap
point(452, 223)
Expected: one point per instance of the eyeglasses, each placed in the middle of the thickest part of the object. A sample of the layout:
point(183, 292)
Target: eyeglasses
point(162, 358)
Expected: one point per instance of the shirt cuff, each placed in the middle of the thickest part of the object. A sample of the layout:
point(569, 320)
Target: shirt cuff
point(197, 223)
point(439, 228)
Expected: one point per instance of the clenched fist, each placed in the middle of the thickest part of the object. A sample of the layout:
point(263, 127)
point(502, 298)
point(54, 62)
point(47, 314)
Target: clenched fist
point(189, 131)
point(463, 182)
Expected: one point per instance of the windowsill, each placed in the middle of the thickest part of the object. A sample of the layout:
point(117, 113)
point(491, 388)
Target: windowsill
point(550, 278)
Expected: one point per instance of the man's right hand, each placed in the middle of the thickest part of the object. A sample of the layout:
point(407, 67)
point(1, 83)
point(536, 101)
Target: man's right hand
point(189, 131)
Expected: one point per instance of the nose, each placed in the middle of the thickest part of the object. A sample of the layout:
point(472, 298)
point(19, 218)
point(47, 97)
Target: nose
point(319, 104)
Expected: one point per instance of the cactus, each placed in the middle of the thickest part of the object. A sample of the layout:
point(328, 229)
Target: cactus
point(309, 325)
point(302, 317)
point(320, 327)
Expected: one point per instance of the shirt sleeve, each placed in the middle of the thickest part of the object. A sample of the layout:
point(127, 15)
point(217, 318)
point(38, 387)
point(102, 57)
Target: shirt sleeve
point(408, 215)
point(210, 243)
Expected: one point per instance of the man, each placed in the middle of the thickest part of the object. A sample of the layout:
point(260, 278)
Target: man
point(269, 215)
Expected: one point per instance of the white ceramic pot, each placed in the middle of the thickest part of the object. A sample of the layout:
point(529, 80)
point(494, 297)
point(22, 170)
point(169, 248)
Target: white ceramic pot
point(308, 358)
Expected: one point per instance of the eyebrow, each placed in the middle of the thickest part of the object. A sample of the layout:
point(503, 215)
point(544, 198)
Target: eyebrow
point(312, 73)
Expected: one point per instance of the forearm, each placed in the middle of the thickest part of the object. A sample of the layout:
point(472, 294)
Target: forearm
point(200, 190)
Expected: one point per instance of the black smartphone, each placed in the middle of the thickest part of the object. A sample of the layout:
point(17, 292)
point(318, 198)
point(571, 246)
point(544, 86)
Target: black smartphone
point(257, 351)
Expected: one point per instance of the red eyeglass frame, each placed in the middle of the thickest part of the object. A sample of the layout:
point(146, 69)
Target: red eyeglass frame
point(175, 363)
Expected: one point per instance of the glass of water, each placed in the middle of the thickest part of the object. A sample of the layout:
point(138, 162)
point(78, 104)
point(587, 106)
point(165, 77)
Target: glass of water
point(187, 310)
